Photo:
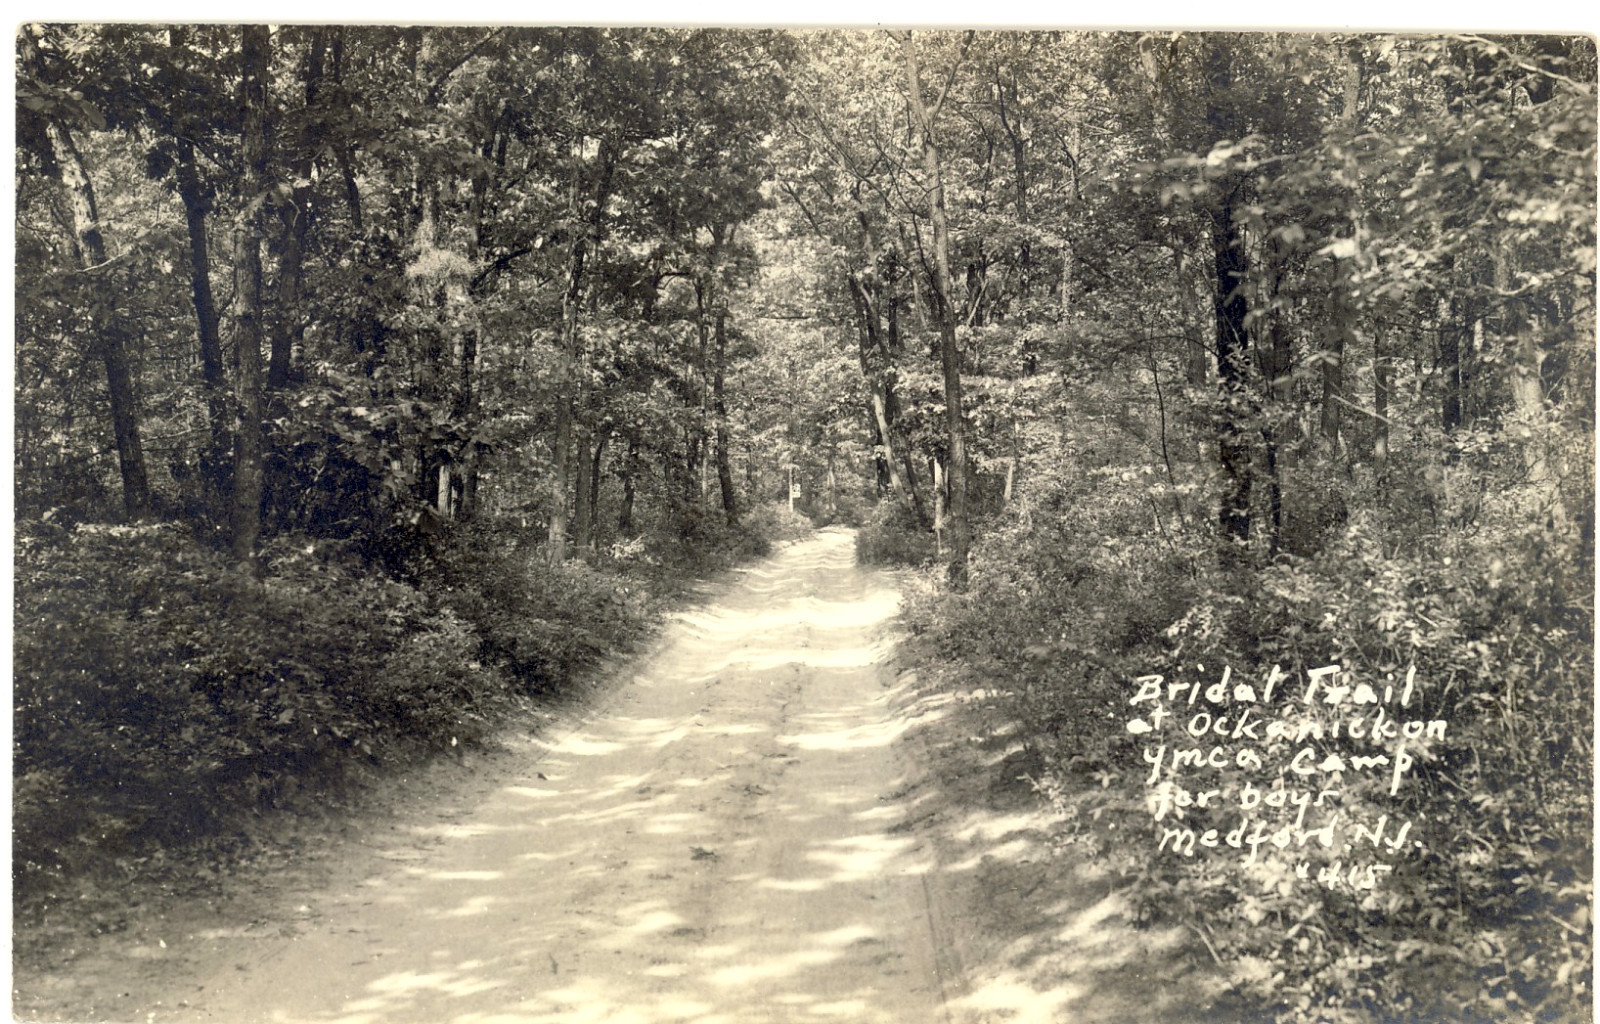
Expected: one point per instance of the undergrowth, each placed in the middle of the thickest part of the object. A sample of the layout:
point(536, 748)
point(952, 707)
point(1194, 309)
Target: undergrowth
point(163, 698)
point(1489, 916)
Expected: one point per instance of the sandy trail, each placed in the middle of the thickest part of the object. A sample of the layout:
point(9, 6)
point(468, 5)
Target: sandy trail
point(724, 842)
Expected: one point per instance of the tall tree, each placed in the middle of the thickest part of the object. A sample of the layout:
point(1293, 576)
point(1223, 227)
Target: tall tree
point(248, 313)
point(83, 211)
point(924, 118)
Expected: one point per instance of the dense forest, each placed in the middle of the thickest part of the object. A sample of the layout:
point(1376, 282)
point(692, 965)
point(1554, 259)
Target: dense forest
point(370, 381)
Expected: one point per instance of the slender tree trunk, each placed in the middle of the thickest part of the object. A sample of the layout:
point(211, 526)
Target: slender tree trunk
point(196, 207)
point(466, 403)
point(431, 382)
point(1340, 330)
point(1230, 263)
point(870, 350)
point(630, 471)
point(108, 340)
point(595, 476)
point(719, 411)
point(585, 236)
point(1276, 362)
point(1382, 386)
point(955, 526)
point(1332, 418)
point(1196, 363)
point(1451, 329)
point(892, 351)
point(583, 495)
point(248, 328)
point(1233, 340)
point(700, 439)
point(342, 151)
point(212, 374)
point(562, 453)
point(288, 327)
point(1528, 397)
point(1011, 114)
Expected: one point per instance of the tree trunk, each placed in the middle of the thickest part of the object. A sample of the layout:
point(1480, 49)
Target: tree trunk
point(872, 351)
point(833, 483)
point(288, 327)
point(212, 375)
point(630, 470)
point(585, 236)
point(594, 482)
point(1341, 316)
point(1196, 362)
point(719, 411)
point(1382, 385)
point(955, 525)
point(1233, 340)
point(1011, 114)
point(108, 340)
point(1451, 330)
point(1231, 310)
point(1522, 334)
point(465, 413)
point(583, 495)
point(248, 327)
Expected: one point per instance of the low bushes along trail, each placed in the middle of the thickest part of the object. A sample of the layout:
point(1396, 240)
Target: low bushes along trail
point(716, 844)
point(742, 831)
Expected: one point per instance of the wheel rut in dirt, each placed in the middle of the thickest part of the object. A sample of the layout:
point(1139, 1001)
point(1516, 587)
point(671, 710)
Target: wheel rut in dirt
point(718, 844)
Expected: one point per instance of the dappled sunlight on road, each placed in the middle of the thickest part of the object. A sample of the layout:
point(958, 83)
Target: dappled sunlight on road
point(1011, 997)
point(1076, 951)
point(719, 845)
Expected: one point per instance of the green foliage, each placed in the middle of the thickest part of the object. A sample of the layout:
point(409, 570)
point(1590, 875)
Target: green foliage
point(541, 623)
point(1490, 919)
point(696, 254)
point(774, 524)
point(893, 536)
point(159, 692)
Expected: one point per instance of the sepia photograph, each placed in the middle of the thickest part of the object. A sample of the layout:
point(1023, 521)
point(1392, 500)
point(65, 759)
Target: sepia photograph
point(677, 524)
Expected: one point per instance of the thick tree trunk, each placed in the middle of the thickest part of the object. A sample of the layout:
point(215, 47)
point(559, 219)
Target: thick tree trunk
point(956, 528)
point(248, 328)
point(108, 339)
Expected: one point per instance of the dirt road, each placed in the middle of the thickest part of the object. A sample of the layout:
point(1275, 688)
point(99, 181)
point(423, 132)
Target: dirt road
point(718, 843)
